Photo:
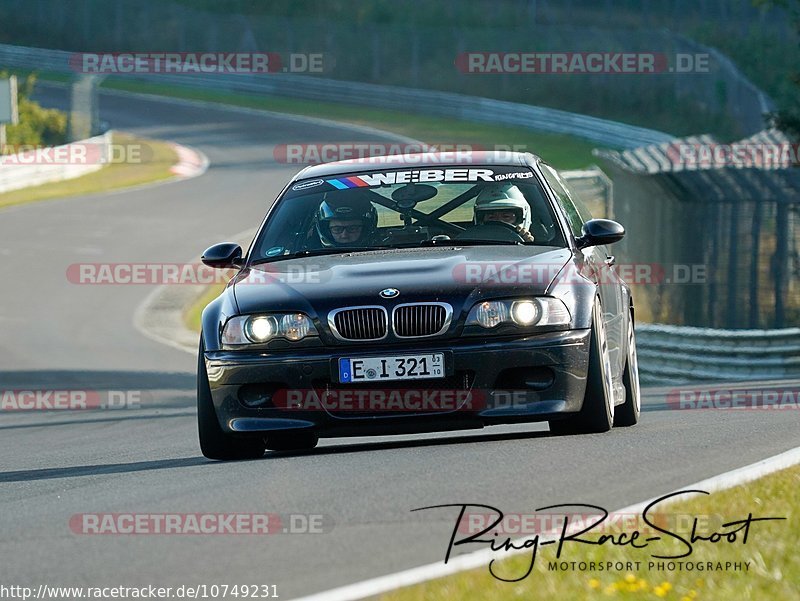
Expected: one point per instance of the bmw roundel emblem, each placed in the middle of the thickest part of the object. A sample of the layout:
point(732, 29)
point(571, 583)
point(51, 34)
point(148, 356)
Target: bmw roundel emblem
point(390, 292)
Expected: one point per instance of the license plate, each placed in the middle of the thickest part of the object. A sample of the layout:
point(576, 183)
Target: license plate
point(399, 367)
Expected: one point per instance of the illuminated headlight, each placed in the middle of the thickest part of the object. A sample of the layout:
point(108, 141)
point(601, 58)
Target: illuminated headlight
point(525, 312)
point(261, 328)
point(258, 329)
point(543, 311)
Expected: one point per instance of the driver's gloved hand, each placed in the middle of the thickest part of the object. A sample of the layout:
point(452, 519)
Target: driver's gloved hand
point(526, 235)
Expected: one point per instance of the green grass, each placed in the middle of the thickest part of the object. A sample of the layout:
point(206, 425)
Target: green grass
point(156, 160)
point(563, 152)
point(52, 76)
point(771, 549)
point(193, 313)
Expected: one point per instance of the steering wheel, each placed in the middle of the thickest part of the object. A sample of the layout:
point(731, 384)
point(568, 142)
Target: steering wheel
point(492, 230)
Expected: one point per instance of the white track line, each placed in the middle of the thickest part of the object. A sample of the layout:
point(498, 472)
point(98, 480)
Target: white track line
point(468, 561)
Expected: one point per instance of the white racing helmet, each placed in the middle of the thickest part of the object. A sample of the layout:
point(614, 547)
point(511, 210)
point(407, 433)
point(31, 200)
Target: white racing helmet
point(503, 197)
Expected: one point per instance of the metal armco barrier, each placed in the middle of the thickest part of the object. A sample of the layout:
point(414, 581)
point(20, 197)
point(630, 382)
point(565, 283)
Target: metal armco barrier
point(446, 104)
point(676, 354)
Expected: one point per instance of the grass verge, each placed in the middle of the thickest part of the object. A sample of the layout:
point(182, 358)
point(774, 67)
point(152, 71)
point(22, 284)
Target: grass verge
point(193, 313)
point(771, 549)
point(563, 152)
point(156, 159)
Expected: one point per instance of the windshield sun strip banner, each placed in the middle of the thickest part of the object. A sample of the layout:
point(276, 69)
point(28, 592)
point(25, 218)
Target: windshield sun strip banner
point(390, 178)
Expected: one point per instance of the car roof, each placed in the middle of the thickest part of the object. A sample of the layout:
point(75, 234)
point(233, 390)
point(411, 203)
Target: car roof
point(421, 160)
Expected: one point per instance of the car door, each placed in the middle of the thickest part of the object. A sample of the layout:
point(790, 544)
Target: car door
point(599, 266)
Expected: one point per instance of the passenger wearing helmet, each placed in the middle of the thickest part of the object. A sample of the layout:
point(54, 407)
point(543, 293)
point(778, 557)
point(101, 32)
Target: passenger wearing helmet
point(504, 203)
point(345, 220)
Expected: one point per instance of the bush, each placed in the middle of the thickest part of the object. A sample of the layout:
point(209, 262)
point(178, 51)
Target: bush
point(37, 126)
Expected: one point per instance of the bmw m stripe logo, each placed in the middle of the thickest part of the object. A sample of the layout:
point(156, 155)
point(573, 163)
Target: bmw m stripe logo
point(343, 183)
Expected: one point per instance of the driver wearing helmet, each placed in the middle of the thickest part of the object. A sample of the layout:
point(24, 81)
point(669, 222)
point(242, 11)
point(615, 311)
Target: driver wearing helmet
point(504, 203)
point(345, 221)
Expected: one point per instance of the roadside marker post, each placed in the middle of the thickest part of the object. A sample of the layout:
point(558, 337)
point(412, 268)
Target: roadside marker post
point(9, 112)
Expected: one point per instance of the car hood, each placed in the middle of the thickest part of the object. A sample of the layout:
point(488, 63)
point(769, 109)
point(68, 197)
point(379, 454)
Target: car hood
point(456, 275)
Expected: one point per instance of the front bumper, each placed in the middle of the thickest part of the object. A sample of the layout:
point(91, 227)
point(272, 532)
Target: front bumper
point(508, 380)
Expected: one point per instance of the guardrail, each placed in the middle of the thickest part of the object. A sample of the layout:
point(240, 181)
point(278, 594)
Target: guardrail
point(675, 354)
point(445, 104)
point(39, 166)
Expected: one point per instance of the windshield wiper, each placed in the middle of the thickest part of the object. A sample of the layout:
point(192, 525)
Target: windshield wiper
point(470, 242)
point(318, 252)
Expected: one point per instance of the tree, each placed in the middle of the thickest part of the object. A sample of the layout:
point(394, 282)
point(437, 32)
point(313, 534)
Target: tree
point(787, 117)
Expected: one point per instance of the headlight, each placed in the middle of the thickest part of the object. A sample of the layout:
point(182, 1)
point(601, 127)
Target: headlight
point(296, 326)
point(258, 329)
point(491, 314)
point(261, 328)
point(525, 312)
point(543, 311)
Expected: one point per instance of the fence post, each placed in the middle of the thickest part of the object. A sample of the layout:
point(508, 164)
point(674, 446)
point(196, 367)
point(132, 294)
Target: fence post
point(732, 284)
point(755, 231)
point(84, 115)
point(780, 259)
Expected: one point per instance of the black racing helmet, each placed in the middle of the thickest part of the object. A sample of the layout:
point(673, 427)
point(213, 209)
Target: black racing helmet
point(346, 207)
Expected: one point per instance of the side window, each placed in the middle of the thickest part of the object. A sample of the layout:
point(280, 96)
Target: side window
point(564, 199)
point(583, 210)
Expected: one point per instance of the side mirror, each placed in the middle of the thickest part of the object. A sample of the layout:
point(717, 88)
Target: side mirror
point(596, 232)
point(223, 255)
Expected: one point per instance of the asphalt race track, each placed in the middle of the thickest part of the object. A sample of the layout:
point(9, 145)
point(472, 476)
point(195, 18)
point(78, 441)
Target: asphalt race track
point(146, 460)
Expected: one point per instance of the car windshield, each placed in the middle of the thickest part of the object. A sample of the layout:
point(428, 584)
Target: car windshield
point(372, 210)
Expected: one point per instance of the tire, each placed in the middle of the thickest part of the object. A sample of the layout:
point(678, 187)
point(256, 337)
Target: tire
point(597, 413)
point(628, 413)
point(214, 442)
point(292, 441)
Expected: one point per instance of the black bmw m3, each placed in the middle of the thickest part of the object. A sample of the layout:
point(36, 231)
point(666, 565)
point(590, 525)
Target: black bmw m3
point(417, 293)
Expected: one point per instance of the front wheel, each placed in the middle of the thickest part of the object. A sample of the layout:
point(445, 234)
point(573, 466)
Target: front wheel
point(628, 413)
point(214, 442)
point(597, 412)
